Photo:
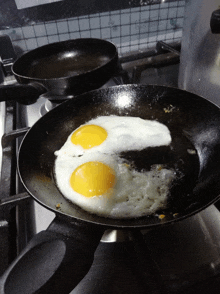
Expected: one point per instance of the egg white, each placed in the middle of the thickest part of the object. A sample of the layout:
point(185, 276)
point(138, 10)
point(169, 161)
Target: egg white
point(124, 134)
point(135, 194)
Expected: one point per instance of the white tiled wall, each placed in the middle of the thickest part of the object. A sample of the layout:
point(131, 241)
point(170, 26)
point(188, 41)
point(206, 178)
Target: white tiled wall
point(130, 29)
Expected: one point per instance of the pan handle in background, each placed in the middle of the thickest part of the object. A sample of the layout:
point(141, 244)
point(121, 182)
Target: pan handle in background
point(22, 93)
point(55, 96)
point(54, 261)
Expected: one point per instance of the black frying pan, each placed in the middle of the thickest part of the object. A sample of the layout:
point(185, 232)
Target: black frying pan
point(64, 68)
point(195, 153)
point(193, 122)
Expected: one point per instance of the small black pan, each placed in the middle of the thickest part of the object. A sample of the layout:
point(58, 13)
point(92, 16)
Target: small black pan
point(195, 152)
point(63, 69)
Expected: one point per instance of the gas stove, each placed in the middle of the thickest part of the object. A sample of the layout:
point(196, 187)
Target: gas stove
point(185, 255)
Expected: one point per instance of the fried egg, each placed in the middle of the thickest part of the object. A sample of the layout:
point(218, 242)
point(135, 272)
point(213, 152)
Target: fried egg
point(107, 186)
point(90, 172)
point(114, 134)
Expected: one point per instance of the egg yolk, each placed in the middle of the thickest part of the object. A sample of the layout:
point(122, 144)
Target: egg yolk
point(92, 178)
point(89, 136)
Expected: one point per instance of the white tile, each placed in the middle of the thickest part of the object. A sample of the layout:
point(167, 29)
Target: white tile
point(125, 18)
point(173, 4)
point(144, 26)
point(143, 36)
point(164, 5)
point(64, 37)
point(42, 41)
point(85, 34)
point(156, 6)
point(125, 39)
point(31, 44)
point(84, 24)
point(51, 28)
point(116, 41)
point(105, 21)
point(153, 26)
point(28, 32)
point(53, 39)
point(144, 41)
point(162, 25)
point(40, 30)
point(115, 31)
point(73, 25)
point(115, 18)
point(146, 15)
point(62, 27)
point(160, 37)
point(134, 28)
point(106, 33)
point(163, 13)
point(152, 38)
point(125, 30)
point(94, 22)
point(134, 48)
point(74, 35)
point(172, 13)
point(135, 17)
point(169, 35)
point(95, 33)
point(169, 26)
point(154, 14)
point(134, 39)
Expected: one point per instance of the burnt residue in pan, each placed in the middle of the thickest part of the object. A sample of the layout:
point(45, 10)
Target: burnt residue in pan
point(181, 157)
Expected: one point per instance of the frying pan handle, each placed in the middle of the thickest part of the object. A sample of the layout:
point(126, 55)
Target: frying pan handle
point(21, 93)
point(54, 261)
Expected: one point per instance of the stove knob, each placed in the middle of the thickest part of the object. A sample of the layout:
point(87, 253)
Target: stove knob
point(215, 22)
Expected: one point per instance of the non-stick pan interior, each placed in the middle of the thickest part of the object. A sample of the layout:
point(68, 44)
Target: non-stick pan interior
point(194, 124)
point(65, 59)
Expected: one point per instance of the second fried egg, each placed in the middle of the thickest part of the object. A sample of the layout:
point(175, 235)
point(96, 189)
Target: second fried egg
point(106, 185)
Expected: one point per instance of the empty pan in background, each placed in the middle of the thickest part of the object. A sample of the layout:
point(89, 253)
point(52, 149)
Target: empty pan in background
point(62, 69)
point(74, 66)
